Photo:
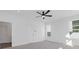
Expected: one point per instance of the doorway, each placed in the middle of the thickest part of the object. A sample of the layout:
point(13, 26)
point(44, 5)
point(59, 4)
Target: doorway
point(48, 31)
point(5, 35)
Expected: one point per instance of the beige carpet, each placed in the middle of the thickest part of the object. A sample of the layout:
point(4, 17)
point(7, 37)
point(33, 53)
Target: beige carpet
point(44, 45)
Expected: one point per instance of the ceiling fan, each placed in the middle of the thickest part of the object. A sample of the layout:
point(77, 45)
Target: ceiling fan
point(44, 14)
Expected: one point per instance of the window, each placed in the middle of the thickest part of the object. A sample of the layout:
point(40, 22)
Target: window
point(75, 26)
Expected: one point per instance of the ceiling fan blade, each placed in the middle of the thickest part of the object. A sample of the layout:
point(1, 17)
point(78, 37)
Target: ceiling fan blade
point(39, 13)
point(48, 15)
point(47, 11)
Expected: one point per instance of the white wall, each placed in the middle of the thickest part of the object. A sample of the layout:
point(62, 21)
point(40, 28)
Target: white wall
point(25, 31)
point(25, 27)
point(59, 31)
point(60, 28)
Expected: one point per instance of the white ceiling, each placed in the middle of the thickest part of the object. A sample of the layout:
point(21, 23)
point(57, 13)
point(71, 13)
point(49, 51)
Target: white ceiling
point(57, 14)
